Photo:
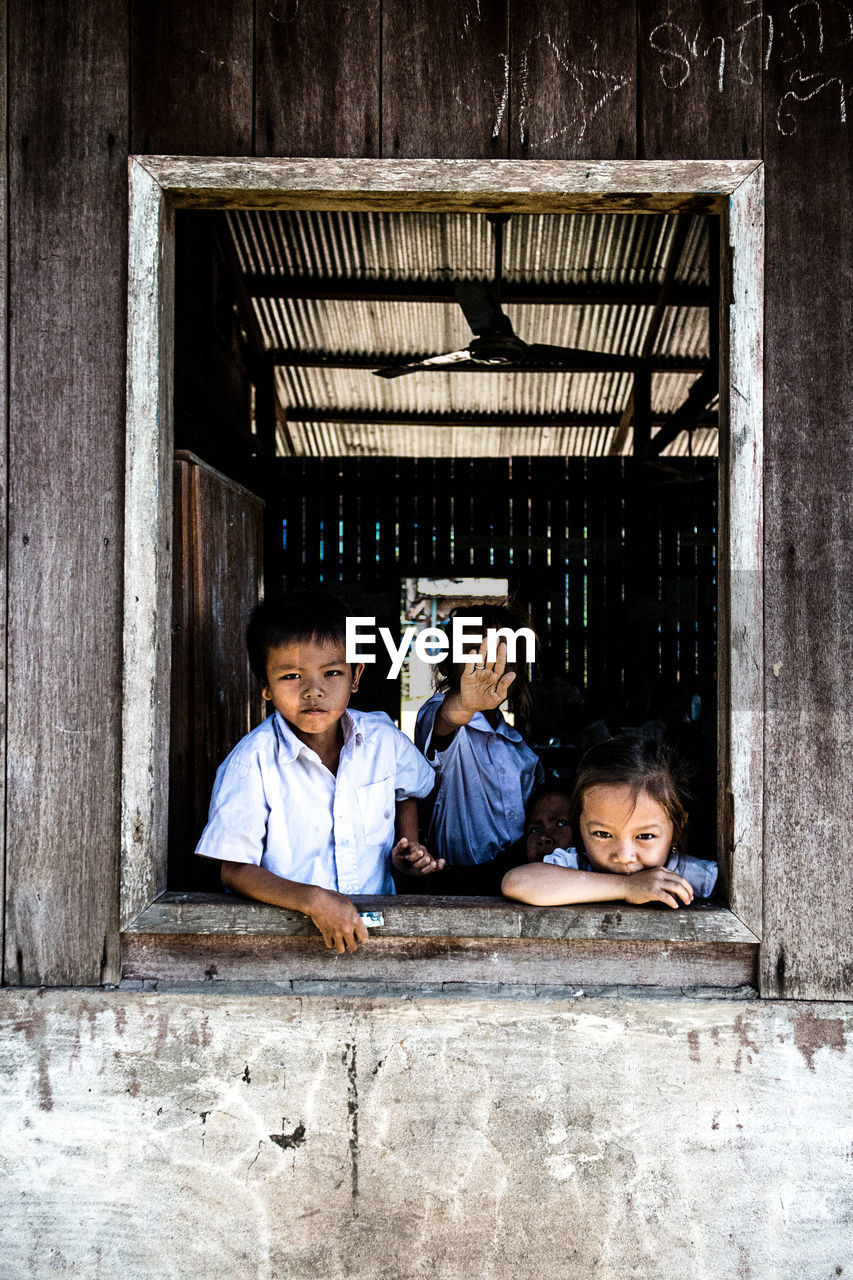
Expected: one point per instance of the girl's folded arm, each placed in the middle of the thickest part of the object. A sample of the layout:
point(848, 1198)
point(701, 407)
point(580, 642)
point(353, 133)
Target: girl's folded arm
point(545, 885)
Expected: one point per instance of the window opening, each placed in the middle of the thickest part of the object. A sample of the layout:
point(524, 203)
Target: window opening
point(164, 190)
point(593, 580)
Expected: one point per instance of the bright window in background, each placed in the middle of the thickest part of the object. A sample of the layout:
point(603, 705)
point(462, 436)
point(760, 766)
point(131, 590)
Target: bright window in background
point(429, 602)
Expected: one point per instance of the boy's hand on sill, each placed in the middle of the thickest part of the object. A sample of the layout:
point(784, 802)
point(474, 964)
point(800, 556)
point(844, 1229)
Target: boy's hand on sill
point(658, 885)
point(414, 859)
point(337, 919)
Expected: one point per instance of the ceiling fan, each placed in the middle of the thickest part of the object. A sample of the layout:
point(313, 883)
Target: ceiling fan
point(495, 345)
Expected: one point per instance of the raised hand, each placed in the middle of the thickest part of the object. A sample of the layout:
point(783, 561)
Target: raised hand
point(484, 685)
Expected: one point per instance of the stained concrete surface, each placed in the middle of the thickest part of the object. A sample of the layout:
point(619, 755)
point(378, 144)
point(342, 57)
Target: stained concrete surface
point(213, 1136)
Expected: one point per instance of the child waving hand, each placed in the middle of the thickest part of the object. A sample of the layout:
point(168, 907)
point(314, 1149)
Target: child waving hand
point(486, 771)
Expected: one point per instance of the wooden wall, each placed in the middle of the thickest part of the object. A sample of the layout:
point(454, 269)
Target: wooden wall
point(693, 78)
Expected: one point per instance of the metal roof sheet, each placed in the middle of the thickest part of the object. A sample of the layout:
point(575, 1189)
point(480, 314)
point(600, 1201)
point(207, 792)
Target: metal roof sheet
point(542, 249)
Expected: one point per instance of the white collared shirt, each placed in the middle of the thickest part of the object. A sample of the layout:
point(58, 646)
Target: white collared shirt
point(486, 776)
point(275, 804)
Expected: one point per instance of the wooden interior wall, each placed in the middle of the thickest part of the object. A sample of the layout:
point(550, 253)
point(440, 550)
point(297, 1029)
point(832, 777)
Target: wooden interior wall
point(88, 82)
point(565, 533)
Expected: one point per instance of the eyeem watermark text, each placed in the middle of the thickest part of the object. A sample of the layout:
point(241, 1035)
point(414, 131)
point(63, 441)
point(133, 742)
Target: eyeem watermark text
point(433, 643)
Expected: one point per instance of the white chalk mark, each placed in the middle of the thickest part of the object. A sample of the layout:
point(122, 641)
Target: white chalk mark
point(722, 63)
point(741, 31)
point(502, 105)
point(523, 97)
point(671, 53)
point(804, 4)
point(693, 48)
point(806, 97)
point(580, 76)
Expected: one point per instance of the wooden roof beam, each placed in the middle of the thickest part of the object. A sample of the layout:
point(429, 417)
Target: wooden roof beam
point(516, 293)
point(421, 417)
point(287, 357)
point(691, 414)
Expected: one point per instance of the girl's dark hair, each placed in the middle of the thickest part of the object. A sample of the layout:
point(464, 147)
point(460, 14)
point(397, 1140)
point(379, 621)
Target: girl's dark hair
point(447, 673)
point(642, 764)
point(300, 616)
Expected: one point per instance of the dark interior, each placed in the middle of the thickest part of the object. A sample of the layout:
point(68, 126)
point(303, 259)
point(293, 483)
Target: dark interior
point(590, 485)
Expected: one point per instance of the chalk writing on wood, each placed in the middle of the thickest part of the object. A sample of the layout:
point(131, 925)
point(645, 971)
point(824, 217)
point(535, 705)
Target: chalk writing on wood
point(593, 88)
point(680, 52)
point(802, 35)
point(504, 99)
point(786, 121)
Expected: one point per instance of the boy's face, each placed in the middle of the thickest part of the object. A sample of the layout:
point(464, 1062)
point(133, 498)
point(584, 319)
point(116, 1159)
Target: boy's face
point(310, 683)
point(547, 827)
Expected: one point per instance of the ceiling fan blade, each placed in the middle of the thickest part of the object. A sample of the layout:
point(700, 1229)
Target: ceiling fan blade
point(481, 306)
point(430, 362)
point(542, 353)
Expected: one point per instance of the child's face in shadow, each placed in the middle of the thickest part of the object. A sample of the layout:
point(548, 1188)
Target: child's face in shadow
point(310, 683)
point(623, 836)
point(548, 826)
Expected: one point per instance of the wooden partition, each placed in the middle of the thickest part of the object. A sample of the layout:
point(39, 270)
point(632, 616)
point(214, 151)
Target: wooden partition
point(217, 578)
point(572, 535)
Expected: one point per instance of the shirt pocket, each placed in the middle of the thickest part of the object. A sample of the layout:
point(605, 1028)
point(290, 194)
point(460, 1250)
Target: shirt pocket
point(377, 808)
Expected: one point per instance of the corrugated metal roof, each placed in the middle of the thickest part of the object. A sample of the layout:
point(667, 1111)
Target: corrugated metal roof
point(576, 248)
point(585, 250)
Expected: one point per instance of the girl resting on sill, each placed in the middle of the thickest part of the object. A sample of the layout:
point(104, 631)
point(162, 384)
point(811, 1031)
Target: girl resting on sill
point(628, 812)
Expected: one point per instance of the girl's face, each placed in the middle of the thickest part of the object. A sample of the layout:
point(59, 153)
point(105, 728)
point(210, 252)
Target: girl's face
point(622, 836)
point(547, 827)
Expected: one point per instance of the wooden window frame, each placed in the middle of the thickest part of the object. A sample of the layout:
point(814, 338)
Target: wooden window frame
point(197, 937)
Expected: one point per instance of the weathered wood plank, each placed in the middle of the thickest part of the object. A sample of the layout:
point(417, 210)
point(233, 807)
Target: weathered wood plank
point(67, 233)
point(4, 378)
point(447, 185)
point(427, 916)
point(573, 81)
point(551, 962)
point(808, 589)
point(741, 606)
point(216, 700)
point(191, 77)
point(317, 78)
point(700, 78)
point(445, 78)
point(148, 534)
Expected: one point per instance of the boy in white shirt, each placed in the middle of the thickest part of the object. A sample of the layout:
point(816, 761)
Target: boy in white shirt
point(308, 806)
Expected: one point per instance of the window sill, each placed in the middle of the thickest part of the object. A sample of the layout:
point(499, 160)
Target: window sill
point(216, 938)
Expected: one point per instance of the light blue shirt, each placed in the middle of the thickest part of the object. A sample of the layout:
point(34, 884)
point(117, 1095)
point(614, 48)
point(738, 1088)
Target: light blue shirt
point(486, 776)
point(276, 805)
point(699, 874)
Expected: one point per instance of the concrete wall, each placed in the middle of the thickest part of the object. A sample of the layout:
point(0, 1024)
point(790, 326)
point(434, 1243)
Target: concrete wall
point(165, 1135)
